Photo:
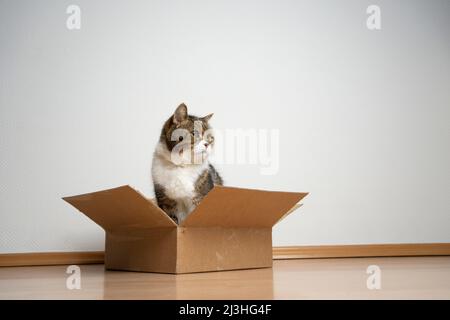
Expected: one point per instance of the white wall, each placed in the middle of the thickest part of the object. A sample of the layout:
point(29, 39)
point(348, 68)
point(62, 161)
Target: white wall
point(363, 115)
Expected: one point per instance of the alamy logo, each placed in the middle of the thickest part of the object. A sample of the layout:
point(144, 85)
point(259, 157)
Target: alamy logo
point(73, 21)
point(74, 280)
point(233, 146)
point(374, 19)
point(374, 280)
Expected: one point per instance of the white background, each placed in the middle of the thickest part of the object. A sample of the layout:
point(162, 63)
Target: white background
point(363, 115)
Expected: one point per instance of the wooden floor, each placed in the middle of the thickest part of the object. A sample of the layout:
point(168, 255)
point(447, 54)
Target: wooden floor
point(409, 278)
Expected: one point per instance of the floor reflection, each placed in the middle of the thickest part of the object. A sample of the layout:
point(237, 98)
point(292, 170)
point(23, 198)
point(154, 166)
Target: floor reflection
point(257, 284)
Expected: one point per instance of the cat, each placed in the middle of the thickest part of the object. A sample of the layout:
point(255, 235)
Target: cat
point(181, 172)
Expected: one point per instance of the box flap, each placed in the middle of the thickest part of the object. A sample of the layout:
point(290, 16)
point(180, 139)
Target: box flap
point(236, 207)
point(295, 207)
point(121, 208)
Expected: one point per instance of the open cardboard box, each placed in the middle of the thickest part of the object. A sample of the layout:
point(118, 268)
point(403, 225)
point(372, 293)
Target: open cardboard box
point(230, 229)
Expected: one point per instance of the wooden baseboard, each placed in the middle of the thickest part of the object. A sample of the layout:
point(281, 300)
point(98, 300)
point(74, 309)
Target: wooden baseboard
point(50, 258)
point(279, 253)
point(363, 250)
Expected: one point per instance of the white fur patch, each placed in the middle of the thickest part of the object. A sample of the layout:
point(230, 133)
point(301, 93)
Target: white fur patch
point(178, 181)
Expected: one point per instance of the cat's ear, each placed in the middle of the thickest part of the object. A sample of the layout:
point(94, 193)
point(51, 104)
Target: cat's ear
point(180, 114)
point(206, 118)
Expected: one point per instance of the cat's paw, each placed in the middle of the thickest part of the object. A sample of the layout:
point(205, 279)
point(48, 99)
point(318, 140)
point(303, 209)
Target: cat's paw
point(196, 201)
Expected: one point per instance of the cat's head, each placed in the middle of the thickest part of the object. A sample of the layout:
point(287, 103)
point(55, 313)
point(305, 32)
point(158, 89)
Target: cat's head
point(188, 138)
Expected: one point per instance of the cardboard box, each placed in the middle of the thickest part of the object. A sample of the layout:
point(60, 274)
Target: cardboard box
point(230, 229)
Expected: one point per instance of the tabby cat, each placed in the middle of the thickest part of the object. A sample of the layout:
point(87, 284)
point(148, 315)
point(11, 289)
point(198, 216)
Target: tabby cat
point(182, 174)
